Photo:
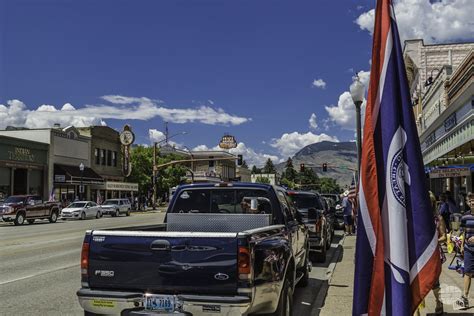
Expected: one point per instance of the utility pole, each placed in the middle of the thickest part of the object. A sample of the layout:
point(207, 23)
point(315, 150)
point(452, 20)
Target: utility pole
point(154, 175)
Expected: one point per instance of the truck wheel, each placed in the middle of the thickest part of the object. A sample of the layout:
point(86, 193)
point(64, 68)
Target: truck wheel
point(30, 221)
point(117, 213)
point(128, 213)
point(305, 279)
point(285, 304)
point(54, 217)
point(19, 219)
point(321, 257)
point(83, 216)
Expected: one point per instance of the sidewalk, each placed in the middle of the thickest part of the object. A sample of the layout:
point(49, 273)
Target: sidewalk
point(340, 287)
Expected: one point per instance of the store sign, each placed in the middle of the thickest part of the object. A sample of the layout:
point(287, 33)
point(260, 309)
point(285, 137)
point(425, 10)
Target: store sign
point(450, 173)
point(121, 186)
point(127, 138)
point(59, 178)
point(21, 154)
point(228, 142)
point(450, 122)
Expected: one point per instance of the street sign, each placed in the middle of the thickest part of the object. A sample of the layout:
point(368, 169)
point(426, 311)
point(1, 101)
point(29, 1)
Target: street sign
point(449, 173)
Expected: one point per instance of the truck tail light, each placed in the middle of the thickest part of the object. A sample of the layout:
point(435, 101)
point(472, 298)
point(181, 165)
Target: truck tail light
point(244, 261)
point(85, 259)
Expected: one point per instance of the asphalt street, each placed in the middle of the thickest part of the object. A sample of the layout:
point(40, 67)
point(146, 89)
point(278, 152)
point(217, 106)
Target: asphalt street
point(40, 266)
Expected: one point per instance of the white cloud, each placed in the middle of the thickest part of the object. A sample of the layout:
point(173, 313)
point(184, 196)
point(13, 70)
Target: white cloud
point(313, 122)
point(16, 113)
point(319, 83)
point(249, 154)
point(158, 136)
point(289, 143)
point(343, 114)
point(434, 21)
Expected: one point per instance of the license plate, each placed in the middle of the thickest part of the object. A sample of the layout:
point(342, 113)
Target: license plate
point(161, 303)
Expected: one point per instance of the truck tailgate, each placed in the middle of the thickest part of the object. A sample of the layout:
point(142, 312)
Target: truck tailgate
point(164, 262)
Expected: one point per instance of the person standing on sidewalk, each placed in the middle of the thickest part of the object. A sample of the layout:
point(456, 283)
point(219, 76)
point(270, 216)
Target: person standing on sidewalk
point(348, 215)
point(467, 224)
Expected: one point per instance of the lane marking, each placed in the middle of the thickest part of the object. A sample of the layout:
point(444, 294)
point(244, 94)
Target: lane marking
point(39, 274)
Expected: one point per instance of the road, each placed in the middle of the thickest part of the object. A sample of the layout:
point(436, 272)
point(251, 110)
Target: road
point(40, 266)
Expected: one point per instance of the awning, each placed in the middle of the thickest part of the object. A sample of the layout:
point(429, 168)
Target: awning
point(72, 174)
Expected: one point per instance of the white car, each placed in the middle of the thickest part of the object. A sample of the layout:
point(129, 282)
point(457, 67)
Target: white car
point(81, 210)
point(115, 207)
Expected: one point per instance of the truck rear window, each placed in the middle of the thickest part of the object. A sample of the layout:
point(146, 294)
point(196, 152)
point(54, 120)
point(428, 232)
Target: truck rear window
point(222, 201)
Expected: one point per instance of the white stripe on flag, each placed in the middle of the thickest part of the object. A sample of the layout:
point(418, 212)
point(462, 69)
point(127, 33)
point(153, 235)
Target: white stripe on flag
point(424, 258)
point(388, 52)
point(364, 212)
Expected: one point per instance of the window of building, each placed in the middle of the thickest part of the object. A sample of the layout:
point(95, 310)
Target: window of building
point(97, 157)
point(102, 157)
point(114, 158)
point(109, 158)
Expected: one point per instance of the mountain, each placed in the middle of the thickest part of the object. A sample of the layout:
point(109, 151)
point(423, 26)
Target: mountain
point(340, 157)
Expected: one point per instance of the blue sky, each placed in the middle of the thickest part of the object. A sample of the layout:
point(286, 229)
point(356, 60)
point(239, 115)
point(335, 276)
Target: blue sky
point(209, 67)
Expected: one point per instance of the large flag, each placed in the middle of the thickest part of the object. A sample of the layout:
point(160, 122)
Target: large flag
point(397, 256)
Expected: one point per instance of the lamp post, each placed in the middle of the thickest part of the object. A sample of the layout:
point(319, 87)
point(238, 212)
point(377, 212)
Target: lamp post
point(357, 93)
point(155, 169)
point(81, 187)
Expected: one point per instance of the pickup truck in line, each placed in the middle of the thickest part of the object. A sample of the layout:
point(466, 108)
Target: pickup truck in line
point(21, 208)
point(224, 249)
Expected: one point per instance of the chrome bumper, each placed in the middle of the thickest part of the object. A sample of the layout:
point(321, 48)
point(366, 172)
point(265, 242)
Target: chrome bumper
point(8, 218)
point(114, 303)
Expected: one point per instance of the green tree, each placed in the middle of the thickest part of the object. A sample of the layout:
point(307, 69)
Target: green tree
point(329, 185)
point(262, 180)
point(269, 167)
point(308, 179)
point(288, 183)
point(256, 170)
point(290, 172)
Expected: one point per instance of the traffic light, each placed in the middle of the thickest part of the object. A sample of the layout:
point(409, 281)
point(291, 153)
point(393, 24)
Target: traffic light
point(325, 167)
point(240, 160)
point(301, 167)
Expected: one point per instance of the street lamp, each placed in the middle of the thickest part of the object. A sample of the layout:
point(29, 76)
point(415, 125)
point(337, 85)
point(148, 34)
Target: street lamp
point(81, 187)
point(357, 93)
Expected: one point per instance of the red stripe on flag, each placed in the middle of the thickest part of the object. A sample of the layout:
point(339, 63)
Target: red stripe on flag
point(424, 282)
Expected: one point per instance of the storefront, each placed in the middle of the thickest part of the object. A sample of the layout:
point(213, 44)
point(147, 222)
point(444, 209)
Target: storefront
point(23, 167)
point(113, 190)
point(68, 180)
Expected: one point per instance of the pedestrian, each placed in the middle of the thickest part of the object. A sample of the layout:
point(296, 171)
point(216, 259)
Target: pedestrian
point(467, 224)
point(444, 210)
point(348, 216)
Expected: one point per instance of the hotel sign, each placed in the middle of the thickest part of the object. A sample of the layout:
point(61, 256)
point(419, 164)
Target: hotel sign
point(228, 142)
point(449, 173)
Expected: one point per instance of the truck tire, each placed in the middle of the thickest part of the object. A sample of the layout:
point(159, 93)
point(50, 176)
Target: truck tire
point(305, 279)
point(285, 304)
point(128, 213)
point(54, 217)
point(19, 219)
point(117, 213)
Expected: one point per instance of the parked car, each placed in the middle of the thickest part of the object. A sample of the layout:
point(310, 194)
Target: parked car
point(115, 207)
point(81, 210)
point(225, 249)
point(338, 211)
point(21, 208)
point(310, 206)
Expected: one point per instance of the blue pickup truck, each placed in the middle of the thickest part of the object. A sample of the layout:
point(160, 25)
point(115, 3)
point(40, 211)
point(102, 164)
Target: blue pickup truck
point(224, 249)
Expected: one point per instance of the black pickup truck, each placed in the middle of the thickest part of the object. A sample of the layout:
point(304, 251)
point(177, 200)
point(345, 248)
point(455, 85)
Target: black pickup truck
point(225, 249)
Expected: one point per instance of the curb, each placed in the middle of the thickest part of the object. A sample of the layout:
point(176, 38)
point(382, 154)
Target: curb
point(323, 291)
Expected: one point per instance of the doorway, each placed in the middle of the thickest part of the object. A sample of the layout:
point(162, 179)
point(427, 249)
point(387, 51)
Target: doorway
point(20, 181)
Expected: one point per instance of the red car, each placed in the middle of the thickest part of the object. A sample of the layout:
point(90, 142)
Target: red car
point(21, 208)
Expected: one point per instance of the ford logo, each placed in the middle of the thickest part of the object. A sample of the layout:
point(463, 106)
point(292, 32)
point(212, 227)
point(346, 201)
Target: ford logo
point(221, 277)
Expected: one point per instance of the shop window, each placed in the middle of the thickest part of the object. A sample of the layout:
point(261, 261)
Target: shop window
point(5, 189)
point(97, 157)
point(109, 158)
point(114, 158)
point(36, 182)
